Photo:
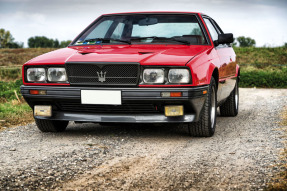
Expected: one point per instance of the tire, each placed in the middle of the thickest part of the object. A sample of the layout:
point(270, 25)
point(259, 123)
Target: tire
point(51, 126)
point(230, 107)
point(205, 127)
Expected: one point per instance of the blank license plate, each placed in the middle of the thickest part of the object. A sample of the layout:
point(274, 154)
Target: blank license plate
point(101, 97)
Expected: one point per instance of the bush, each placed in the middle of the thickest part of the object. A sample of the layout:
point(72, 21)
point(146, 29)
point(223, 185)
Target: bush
point(264, 78)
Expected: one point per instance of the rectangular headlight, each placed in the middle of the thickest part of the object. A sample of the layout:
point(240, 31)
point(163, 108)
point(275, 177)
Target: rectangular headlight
point(57, 75)
point(178, 76)
point(153, 76)
point(36, 74)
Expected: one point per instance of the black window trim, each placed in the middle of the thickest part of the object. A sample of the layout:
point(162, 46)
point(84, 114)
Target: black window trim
point(210, 19)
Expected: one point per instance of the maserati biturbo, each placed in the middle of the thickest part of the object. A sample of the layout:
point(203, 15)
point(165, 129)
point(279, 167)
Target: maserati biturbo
point(146, 67)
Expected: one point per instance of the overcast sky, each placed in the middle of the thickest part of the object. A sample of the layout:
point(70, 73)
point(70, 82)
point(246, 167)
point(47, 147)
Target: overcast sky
point(263, 20)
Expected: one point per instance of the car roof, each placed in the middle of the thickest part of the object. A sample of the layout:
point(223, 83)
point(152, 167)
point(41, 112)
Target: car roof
point(153, 12)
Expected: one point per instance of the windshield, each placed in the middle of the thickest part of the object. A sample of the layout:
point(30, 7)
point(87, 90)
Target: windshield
point(144, 29)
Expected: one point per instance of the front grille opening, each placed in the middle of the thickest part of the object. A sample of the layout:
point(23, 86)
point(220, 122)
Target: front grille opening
point(131, 108)
point(103, 74)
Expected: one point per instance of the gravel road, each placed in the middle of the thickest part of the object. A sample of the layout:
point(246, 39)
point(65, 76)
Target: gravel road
point(144, 157)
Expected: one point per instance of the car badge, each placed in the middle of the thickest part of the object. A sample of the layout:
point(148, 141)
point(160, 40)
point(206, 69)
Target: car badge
point(102, 76)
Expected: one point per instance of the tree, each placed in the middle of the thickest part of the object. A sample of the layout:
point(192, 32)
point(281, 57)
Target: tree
point(234, 43)
point(15, 45)
point(285, 45)
point(245, 41)
point(56, 44)
point(5, 38)
point(44, 42)
point(40, 42)
point(65, 43)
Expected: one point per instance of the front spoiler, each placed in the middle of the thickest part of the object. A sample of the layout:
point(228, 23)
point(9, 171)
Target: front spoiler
point(118, 118)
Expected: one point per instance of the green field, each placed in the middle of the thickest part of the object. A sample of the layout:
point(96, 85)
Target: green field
point(260, 67)
point(263, 67)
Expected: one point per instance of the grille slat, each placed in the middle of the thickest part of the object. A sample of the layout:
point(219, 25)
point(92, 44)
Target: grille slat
point(93, 73)
point(125, 108)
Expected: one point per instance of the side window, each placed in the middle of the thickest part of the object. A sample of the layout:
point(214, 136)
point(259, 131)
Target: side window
point(212, 30)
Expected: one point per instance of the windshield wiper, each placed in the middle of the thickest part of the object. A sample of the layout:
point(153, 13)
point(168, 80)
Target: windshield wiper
point(162, 38)
point(107, 39)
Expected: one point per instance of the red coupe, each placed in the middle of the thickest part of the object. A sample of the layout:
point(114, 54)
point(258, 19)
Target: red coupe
point(146, 67)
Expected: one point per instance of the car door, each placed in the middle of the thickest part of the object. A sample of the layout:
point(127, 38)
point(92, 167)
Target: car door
point(227, 67)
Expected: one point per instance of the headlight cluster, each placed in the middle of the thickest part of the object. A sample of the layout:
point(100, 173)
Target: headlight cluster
point(157, 76)
point(52, 74)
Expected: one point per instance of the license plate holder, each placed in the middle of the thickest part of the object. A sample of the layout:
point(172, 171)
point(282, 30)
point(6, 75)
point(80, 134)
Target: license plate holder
point(101, 97)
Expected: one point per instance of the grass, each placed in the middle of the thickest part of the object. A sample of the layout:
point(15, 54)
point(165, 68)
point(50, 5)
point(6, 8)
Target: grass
point(17, 57)
point(262, 58)
point(14, 113)
point(262, 67)
point(13, 108)
point(279, 182)
point(11, 61)
point(272, 78)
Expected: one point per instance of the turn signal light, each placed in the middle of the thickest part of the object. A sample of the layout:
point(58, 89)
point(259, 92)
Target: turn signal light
point(38, 92)
point(171, 94)
point(175, 94)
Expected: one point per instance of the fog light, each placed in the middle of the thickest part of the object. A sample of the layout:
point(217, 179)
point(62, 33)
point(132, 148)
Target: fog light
point(173, 110)
point(43, 110)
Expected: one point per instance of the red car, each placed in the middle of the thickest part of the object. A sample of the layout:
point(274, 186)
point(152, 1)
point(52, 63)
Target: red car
point(146, 67)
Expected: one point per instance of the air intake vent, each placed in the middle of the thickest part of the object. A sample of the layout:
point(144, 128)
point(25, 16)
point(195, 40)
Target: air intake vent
point(99, 74)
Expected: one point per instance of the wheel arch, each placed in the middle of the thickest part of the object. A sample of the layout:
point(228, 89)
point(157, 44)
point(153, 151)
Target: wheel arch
point(213, 72)
point(238, 72)
point(215, 75)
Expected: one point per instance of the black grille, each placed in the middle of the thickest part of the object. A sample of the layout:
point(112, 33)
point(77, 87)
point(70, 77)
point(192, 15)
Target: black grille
point(125, 108)
point(111, 73)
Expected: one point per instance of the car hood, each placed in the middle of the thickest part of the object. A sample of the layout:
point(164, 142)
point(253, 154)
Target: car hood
point(143, 54)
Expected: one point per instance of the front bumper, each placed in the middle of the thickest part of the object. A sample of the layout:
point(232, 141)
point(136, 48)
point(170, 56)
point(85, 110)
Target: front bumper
point(139, 105)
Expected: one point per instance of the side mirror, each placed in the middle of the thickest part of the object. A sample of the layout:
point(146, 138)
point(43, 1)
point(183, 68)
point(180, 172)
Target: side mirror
point(226, 38)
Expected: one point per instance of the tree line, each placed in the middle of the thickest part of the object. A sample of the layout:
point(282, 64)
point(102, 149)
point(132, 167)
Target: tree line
point(44, 42)
point(7, 41)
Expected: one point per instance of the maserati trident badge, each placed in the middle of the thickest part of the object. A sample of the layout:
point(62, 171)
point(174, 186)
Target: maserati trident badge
point(102, 76)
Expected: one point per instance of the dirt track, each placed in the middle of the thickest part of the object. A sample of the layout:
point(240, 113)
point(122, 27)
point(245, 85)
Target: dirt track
point(238, 157)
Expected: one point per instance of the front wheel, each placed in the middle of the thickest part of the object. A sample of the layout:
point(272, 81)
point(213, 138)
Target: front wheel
point(205, 127)
point(51, 125)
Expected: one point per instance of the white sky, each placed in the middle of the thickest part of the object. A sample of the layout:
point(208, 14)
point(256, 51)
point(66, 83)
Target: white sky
point(263, 20)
